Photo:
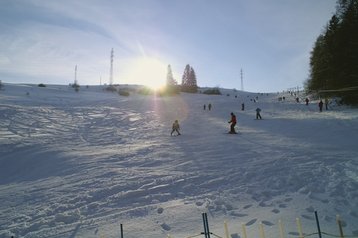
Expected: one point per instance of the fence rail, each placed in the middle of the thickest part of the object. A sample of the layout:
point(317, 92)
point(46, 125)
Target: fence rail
point(281, 232)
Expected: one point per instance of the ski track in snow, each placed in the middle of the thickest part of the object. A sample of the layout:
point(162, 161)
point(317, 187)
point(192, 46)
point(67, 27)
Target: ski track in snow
point(74, 165)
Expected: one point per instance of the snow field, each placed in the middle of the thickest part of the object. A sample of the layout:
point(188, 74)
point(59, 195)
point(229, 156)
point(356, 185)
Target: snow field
point(79, 164)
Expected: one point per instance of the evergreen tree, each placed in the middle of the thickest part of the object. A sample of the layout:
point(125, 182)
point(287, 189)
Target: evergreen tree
point(192, 79)
point(185, 75)
point(189, 83)
point(171, 84)
point(348, 38)
point(333, 62)
point(170, 79)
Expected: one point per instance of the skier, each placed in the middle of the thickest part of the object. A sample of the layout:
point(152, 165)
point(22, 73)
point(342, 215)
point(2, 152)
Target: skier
point(320, 105)
point(209, 106)
point(204, 107)
point(242, 106)
point(175, 127)
point(307, 101)
point(258, 116)
point(233, 124)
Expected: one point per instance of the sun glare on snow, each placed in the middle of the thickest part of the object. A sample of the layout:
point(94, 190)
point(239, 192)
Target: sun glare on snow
point(147, 71)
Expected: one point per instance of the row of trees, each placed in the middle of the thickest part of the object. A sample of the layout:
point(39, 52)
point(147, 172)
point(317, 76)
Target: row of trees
point(334, 58)
point(188, 84)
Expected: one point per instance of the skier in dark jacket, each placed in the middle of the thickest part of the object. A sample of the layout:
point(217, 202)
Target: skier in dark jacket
point(233, 124)
point(307, 101)
point(320, 105)
point(258, 115)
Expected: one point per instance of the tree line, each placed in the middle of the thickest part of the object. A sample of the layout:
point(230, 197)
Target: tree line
point(334, 58)
point(188, 83)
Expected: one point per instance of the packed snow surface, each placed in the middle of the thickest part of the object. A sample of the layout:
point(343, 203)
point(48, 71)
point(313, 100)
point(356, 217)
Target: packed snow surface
point(79, 164)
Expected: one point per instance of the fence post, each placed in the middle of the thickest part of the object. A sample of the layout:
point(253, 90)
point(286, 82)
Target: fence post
point(226, 229)
point(299, 227)
point(207, 224)
point(205, 232)
point(339, 222)
point(280, 225)
point(318, 227)
point(244, 235)
point(262, 232)
point(121, 225)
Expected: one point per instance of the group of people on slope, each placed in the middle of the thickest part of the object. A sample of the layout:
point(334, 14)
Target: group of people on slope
point(320, 104)
point(209, 106)
point(233, 121)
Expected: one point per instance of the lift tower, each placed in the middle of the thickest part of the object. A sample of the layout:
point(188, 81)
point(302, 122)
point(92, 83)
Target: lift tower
point(242, 81)
point(111, 69)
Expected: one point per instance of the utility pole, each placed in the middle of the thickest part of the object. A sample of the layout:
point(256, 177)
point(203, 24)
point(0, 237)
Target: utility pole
point(76, 83)
point(242, 80)
point(111, 69)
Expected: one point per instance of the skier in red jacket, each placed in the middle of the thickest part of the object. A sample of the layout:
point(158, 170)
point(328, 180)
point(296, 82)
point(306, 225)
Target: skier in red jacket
point(233, 124)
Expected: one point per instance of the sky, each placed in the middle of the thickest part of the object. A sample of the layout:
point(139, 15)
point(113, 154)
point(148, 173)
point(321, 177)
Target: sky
point(269, 40)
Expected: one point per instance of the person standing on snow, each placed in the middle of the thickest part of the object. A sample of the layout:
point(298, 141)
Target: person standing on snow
point(326, 103)
point(233, 124)
point(320, 105)
point(175, 127)
point(307, 101)
point(258, 115)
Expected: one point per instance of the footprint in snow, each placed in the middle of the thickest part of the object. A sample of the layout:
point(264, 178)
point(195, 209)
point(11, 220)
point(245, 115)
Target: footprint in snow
point(267, 223)
point(251, 222)
point(275, 211)
point(236, 214)
point(160, 210)
point(247, 206)
point(165, 227)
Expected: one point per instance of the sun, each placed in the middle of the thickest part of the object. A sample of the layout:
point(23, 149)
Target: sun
point(147, 71)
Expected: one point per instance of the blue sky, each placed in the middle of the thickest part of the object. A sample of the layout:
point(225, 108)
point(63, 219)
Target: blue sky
point(42, 41)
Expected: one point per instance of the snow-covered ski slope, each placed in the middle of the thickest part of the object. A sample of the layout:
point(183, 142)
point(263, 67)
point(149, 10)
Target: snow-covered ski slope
point(79, 164)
